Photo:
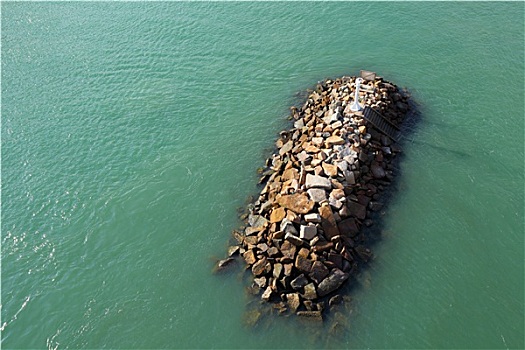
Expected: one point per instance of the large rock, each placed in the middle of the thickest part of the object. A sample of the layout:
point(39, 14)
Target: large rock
point(297, 202)
point(329, 169)
point(317, 194)
point(267, 294)
point(287, 226)
point(299, 282)
point(257, 221)
point(318, 272)
point(316, 181)
point(293, 239)
point(311, 315)
point(286, 148)
point(309, 292)
point(312, 217)
point(249, 257)
point(308, 231)
point(334, 140)
point(277, 270)
point(303, 264)
point(348, 227)
point(357, 210)
point(289, 174)
point(294, 301)
point(288, 250)
point(277, 215)
point(334, 280)
point(377, 171)
point(262, 266)
point(349, 177)
point(328, 221)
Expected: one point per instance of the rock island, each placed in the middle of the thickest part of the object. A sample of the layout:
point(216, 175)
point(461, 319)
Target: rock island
point(303, 236)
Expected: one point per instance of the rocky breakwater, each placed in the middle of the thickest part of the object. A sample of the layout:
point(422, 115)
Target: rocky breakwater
point(304, 236)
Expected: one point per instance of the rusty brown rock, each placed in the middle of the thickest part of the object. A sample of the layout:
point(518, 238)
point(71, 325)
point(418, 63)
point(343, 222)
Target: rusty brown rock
point(334, 140)
point(329, 169)
point(303, 264)
point(290, 174)
point(328, 221)
point(261, 267)
point(318, 272)
point(249, 257)
point(277, 215)
point(288, 250)
point(297, 202)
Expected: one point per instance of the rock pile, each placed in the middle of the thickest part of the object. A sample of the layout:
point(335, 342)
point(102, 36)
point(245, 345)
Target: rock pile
point(303, 236)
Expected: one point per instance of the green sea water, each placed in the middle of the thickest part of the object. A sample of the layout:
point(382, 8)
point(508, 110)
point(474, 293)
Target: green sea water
point(131, 133)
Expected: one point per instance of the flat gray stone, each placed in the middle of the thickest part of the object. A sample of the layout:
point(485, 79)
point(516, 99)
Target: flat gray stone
point(288, 227)
point(317, 194)
point(313, 217)
point(349, 177)
point(308, 231)
point(316, 181)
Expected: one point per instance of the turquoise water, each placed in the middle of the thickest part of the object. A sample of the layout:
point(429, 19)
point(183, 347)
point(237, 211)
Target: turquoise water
point(131, 133)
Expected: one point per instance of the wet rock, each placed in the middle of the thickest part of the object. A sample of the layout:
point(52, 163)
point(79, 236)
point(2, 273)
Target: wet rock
point(252, 317)
point(357, 210)
point(318, 271)
point(377, 171)
point(267, 294)
point(261, 267)
point(232, 250)
point(311, 315)
point(375, 206)
point(331, 283)
point(294, 301)
point(348, 227)
point(222, 264)
point(249, 257)
point(299, 282)
point(309, 292)
point(336, 299)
